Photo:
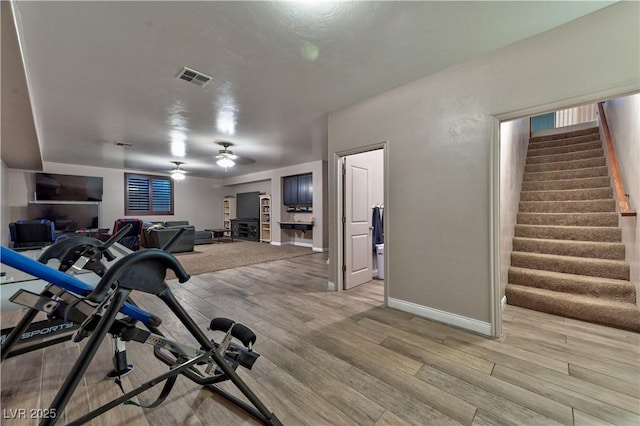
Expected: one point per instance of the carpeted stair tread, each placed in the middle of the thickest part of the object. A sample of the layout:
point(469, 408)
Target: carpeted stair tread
point(568, 156)
point(568, 219)
point(563, 149)
point(601, 311)
point(566, 165)
point(566, 135)
point(608, 288)
point(568, 194)
point(564, 141)
point(590, 249)
point(564, 184)
point(611, 234)
point(581, 206)
point(605, 268)
point(566, 174)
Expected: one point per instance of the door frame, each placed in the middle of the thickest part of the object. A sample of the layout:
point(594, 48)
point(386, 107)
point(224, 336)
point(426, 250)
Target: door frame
point(338, 158)
point(498, 299)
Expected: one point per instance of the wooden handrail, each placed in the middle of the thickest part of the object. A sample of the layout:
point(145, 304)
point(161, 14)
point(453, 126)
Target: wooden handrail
point(621, 195)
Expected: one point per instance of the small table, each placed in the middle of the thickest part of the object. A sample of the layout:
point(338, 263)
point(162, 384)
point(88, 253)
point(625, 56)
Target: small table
point(220, 233)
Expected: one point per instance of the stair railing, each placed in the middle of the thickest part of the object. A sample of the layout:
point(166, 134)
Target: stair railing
point(621, 195)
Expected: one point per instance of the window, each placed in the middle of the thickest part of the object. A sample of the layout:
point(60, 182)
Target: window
point(147, 195)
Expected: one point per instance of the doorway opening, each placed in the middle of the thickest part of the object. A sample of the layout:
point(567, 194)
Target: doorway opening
point(362, 212)
point(557, 213)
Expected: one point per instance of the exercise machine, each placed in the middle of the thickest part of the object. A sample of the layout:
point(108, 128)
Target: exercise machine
point(98, 310)
point(75, 254)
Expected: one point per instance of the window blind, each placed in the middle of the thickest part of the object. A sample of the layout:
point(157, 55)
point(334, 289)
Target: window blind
point(148, 195)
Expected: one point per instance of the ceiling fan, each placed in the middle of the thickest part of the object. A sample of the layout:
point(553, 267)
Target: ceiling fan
point(227, 158)
point(177, 173)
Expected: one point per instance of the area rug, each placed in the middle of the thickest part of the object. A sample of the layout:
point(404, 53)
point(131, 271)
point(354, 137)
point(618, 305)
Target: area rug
point(227, 255)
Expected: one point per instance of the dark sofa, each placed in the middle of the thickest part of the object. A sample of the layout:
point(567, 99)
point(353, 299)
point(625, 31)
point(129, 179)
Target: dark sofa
point(157, 236)
point(201, 237)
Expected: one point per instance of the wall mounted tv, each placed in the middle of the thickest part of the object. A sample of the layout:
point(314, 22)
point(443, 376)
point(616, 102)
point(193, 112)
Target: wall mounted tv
point(248, 205)
point(54, 187)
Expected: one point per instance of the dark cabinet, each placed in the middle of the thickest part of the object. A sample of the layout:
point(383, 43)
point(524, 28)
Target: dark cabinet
point(245, 229)
point(290, 190)
point(305, 189)
point(297, 190)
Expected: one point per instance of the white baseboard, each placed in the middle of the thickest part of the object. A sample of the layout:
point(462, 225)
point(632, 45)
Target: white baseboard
point(320, 249)
point(441, 316)
point(503, 302)
point(331, 286)
point(295, 243)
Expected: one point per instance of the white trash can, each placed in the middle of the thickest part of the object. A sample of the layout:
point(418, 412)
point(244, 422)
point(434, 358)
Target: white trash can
point(380, 257)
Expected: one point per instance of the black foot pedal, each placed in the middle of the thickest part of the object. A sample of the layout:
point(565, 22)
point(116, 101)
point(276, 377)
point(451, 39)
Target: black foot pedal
point(239, 331)
point(244, 334)
point(245, 357)
point(221, 324)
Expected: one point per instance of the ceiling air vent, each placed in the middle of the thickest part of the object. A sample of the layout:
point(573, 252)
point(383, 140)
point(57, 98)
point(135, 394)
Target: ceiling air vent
point(195, 77)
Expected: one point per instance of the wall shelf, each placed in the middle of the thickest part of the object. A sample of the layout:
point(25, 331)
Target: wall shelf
point(265, 218)
point(228, 212)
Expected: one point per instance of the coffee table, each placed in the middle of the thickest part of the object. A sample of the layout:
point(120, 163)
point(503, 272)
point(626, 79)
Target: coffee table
point(220, 233)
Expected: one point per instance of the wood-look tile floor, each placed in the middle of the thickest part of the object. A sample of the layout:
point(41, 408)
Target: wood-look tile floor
point(343, 359)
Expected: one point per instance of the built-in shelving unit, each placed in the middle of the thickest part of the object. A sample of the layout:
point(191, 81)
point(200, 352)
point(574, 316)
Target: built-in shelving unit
point(228, 211)
point(265, 218)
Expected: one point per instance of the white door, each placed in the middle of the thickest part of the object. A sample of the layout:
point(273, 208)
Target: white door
point(357, 208)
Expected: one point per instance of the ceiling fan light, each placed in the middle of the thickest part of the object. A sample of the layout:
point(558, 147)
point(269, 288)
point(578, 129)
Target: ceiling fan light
point(177, 174)
point(225, 162)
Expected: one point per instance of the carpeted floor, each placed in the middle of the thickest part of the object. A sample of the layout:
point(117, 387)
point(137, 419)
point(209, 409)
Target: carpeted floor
point(227, 255)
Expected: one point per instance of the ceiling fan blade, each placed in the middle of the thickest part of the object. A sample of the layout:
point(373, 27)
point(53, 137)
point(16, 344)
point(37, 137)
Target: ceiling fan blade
point(243, 161)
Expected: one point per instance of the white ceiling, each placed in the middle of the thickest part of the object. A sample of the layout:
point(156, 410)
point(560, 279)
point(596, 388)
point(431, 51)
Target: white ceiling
point(105, 72)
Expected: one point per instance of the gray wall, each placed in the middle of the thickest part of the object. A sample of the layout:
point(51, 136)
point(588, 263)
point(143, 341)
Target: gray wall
point(514, 140)
point(623, 117)
point(440, 132)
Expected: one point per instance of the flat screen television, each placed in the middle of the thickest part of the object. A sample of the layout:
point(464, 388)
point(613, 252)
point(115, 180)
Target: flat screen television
point(67, 217)
point(248, 205)
point(54, 187)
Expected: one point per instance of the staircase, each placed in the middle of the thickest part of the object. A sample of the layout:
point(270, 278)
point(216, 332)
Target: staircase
point(567, 256)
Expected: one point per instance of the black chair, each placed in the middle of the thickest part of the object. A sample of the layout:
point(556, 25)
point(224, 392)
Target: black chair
point(32, 234)
point(131, 240)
